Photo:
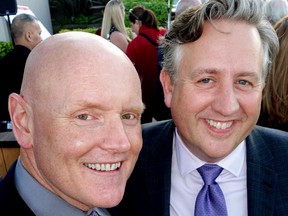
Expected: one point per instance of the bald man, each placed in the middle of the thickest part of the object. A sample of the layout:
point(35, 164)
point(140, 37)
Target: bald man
point(77, 121)
point(26, 34)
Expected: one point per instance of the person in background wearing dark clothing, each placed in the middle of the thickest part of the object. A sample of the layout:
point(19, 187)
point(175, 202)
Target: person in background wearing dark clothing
point(26, 33)
point(274, 110)
point(216, 59)
point(143, 52)
point(77, 121)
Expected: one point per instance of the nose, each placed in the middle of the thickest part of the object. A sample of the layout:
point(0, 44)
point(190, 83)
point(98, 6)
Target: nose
point(226, 102)
point(115, 138)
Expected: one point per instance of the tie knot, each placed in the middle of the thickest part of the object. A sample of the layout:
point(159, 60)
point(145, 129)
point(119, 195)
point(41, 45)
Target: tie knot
point(209, 172)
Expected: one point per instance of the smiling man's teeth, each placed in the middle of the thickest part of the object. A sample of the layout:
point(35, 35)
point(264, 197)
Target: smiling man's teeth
point(219, 125)
point(103, 167)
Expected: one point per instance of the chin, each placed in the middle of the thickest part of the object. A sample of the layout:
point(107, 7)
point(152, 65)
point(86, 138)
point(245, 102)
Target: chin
point(113, 199)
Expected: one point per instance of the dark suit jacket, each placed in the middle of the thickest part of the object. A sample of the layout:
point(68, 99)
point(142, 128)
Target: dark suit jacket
point(10, 201)
point(148, 188)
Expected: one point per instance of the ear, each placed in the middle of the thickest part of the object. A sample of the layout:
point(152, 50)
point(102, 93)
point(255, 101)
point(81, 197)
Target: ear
point(167, 87)
point(28, 36)
point(19, 115)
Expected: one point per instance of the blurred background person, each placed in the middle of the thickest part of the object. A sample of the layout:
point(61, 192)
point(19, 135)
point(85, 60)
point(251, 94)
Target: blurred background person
point(275, 10)
point(143, 52)
point(184, 4)
point(274, 111)
point(26, 33)
point(113, 25)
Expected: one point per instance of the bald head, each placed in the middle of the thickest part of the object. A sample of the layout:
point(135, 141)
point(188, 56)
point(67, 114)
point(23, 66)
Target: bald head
point(69, 56)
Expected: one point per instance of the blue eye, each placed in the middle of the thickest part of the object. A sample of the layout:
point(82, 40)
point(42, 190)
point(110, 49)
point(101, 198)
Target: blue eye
point(243, 82)
point(206, 80)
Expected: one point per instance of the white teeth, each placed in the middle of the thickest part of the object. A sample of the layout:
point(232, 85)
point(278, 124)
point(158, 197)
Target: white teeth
point(219, 125)
point(103, 167)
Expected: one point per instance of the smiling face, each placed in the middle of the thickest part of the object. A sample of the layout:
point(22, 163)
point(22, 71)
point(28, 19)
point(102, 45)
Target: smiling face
point(84, 120)
point(215, 101)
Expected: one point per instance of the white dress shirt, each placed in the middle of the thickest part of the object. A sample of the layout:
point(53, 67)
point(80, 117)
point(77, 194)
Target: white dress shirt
point(186, 182)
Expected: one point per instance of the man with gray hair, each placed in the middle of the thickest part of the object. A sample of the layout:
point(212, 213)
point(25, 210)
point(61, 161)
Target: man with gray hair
point(211, 159)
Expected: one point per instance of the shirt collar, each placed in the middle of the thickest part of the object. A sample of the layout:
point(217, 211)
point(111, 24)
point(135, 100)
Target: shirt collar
point(187, 162)
point(42, 202)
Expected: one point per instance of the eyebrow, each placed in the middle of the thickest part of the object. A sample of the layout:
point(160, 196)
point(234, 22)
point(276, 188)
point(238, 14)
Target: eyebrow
point(100, 106)
point(200, 71)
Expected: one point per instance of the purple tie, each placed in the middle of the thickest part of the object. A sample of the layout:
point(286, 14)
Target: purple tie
point(210, 200)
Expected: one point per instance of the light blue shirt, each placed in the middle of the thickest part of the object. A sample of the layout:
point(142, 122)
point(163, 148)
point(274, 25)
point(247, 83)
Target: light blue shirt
point(43, 202)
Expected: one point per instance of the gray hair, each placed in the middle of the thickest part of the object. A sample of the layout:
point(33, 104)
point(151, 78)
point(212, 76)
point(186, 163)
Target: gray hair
point(188, 27)
point(19, 24)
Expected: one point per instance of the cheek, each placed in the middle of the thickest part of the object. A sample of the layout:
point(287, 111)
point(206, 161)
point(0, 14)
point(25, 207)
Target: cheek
point(135, 139)
point(132, 28)
point(252, 104)
point(66, 141)
point(136, 29)
point(186, 104)
point(185, 99)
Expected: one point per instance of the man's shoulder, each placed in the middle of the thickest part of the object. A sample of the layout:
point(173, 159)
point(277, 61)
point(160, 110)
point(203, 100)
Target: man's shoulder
point(19, 52)
point(157, 131)
point(158, 125)
point(268, 138)
point(270, 133)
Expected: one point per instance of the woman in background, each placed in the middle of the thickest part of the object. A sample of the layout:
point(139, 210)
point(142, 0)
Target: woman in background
point(143, 52)
point(113, 26)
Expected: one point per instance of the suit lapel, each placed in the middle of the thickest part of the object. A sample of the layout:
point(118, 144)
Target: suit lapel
point(10, 200)
point(261, 179)
point(159, 174)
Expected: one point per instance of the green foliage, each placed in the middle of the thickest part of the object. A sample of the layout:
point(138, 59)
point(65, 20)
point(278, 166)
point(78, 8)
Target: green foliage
point(156, 1)
point(5, 47)
point(158, 7)
point(89, 30)
point(65, 12)
point(72, 8)
point(81, 19)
